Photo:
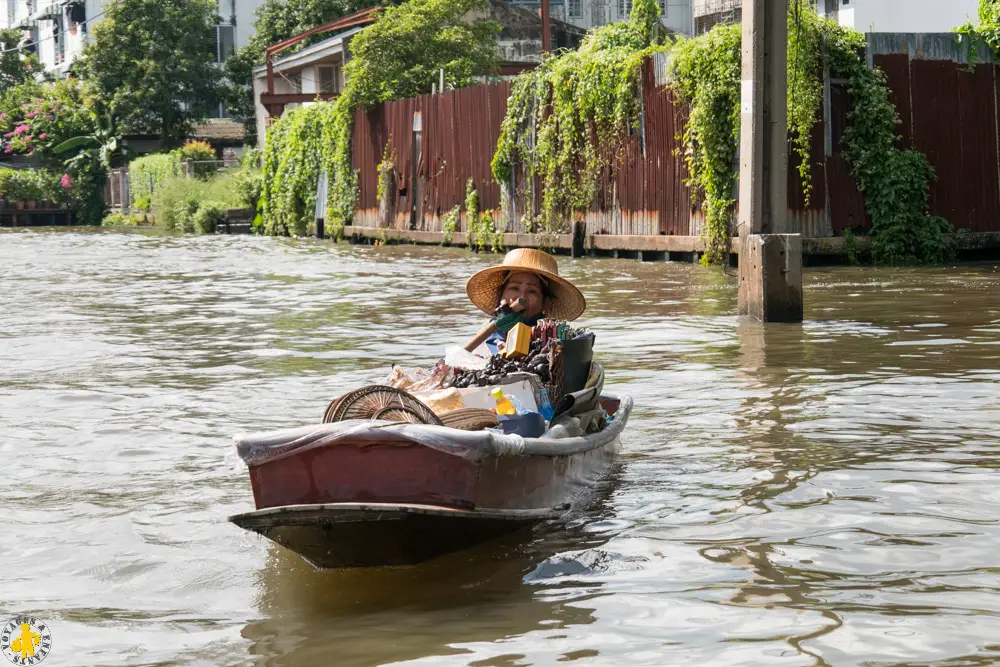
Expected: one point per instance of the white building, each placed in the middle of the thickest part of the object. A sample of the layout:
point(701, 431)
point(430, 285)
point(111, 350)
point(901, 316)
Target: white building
point(675, 14)
point(861, 15)
point(58, 30)
point(900, 15)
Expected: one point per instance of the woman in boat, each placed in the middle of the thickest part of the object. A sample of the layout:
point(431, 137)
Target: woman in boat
point(531, 275)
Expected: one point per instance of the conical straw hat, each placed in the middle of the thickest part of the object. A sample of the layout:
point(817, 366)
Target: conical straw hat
point(566, 301)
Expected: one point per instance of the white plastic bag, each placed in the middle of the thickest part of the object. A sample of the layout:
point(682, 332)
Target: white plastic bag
point(457, 357)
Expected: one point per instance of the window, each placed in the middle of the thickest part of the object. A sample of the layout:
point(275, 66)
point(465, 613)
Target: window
point(329, 79)
point(224, 42)
point(663, 7)
point(575, 9)
point(624, 8)
point(597, 13)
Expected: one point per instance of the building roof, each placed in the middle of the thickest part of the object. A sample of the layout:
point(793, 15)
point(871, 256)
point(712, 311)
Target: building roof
point(324, 47)
point(218, 130)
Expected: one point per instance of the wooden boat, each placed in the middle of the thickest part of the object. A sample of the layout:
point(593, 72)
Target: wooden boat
point(362, 493)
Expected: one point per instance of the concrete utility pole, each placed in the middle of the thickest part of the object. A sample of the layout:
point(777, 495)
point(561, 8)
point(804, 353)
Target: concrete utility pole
point(770, 259)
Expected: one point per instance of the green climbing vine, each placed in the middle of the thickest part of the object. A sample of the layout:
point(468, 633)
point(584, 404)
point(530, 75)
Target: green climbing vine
point(566, 119)
point(705, 73)
point(984, 33)
point(449, 223)
point(400, 55)
point(385, 169)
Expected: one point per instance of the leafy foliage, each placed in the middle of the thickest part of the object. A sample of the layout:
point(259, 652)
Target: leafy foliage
point(201, 154)
point(398, 56)
point(16, 65)
point(705, 72)
point(566, 119)
point(147, 174)
point(40, 117)
point(986, 31)
point(123, 220)
point(147, 60)
point(194, 205)
point(449, 223)
point(385, 169)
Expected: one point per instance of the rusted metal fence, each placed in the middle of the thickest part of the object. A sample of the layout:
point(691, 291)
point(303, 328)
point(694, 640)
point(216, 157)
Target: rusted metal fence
point(438, 142)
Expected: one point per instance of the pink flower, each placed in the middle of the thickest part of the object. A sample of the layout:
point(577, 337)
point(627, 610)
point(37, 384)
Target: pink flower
point(41, 136)
point(66, 182)
point(9, 134)
point(8, 150)
point(21, 129)
point(32, 114)
point(3, 116)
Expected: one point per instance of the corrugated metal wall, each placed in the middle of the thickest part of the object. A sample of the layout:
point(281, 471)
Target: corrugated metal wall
point(948, 112)
point(437, 143)
point(456, 140)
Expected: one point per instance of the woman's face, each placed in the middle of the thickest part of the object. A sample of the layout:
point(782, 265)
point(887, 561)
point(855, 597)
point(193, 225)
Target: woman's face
point(527, 286)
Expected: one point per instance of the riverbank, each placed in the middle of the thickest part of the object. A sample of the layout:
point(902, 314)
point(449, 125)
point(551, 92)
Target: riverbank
point(816, 251)
point(832, 251)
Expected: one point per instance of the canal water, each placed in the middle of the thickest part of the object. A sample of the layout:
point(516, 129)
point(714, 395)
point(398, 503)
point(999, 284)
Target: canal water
point(816, 494)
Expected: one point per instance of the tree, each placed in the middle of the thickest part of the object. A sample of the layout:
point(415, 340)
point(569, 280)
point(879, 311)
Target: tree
point(277, 20)
point(402, 54)
point(153, 63)
point(16, 66)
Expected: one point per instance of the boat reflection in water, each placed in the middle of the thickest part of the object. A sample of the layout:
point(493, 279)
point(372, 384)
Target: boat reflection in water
point(374, 616)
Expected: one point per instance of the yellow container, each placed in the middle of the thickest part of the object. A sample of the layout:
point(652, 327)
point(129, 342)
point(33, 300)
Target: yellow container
point(518, 341)
point(504, 406)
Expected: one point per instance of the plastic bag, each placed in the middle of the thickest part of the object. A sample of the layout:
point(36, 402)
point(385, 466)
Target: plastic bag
point(458, 357)
point(422, 379)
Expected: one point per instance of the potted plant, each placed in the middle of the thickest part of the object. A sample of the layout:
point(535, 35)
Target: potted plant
point(31, 191)
point(5, 195)
point(65, 195)
point(15, 188)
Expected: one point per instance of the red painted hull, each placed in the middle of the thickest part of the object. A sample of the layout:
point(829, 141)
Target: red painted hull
point(356, 503)
point(412, 473)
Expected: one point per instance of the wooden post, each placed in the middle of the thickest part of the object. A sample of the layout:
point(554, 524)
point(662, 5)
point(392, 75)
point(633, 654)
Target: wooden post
point(546, 27)
point(763, 207)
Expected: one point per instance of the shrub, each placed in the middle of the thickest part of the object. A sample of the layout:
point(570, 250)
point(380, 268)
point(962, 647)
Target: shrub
point(25, 185)
point(248, 185)
point(208, 214)
point(193, 205)
point(199, 151)
point(122, 220)
point(165, 201)
point(148, 173)
point(6, 175)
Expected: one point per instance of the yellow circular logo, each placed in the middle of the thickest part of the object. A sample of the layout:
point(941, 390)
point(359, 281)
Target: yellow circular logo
point(25, 640)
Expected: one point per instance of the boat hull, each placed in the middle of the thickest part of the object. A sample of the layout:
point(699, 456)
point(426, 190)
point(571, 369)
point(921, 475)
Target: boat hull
point(391, 497)
point(351, 535)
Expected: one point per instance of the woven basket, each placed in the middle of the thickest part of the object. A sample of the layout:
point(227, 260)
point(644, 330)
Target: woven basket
point(468, 419)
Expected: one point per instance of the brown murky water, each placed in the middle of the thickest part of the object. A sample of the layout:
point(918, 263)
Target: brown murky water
point(823, 494)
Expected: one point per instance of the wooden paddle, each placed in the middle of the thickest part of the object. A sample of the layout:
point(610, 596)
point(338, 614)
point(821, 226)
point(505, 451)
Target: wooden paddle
point(518, 306)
